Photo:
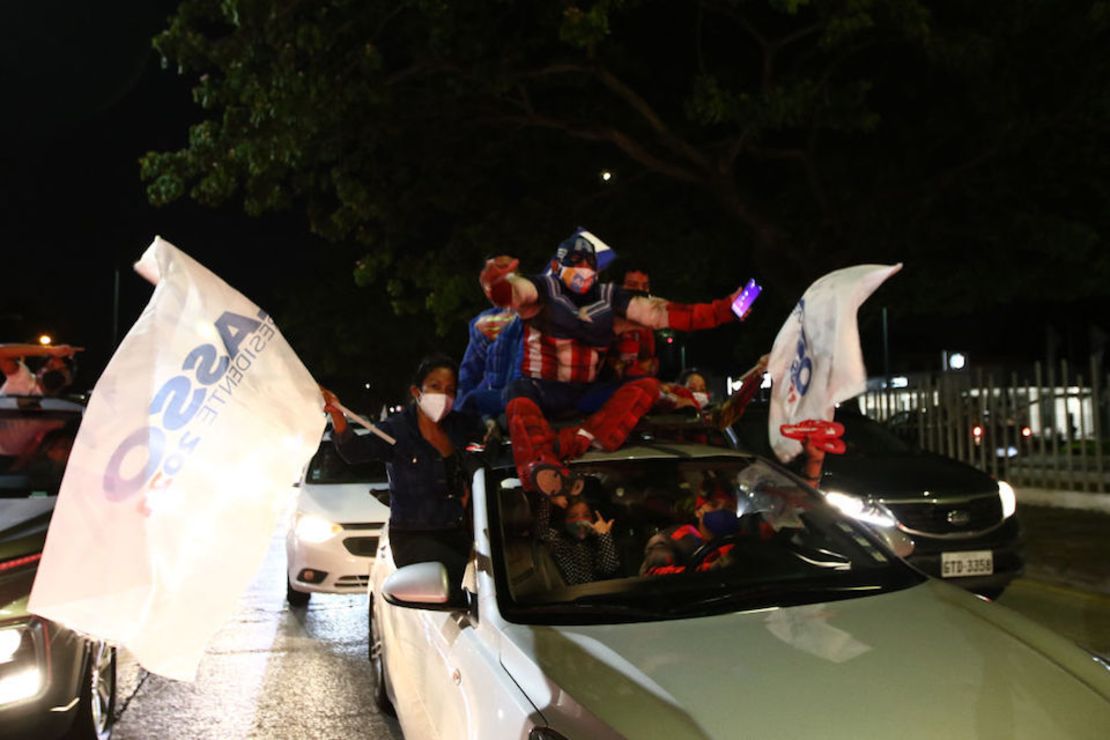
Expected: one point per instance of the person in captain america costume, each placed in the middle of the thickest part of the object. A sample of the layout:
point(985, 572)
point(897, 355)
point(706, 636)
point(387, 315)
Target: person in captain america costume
point(570, 322)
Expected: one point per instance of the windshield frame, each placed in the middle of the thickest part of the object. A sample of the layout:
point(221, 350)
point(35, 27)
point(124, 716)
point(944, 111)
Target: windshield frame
point(898, 574)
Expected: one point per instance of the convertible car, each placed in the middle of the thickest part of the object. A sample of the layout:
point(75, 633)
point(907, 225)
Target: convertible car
point(809, 624)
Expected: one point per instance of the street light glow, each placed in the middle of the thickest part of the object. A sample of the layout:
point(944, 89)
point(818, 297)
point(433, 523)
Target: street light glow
point(606, 175)
point(45, 340)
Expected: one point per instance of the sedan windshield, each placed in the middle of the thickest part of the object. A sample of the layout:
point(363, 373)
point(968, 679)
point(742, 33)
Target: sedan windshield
point(671, 538)
point(327, 467)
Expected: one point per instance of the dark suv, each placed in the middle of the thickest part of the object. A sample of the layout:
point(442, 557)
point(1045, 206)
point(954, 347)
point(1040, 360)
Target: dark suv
point(52, 680)
point(960, 519)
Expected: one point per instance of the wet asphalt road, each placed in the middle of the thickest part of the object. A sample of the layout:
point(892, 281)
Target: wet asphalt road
point(276, 672)
point(273, 672)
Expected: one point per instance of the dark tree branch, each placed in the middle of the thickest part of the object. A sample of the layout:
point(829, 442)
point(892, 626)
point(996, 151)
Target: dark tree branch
point(634, 100)
point(728, 160)
point(621, 140)
point(798, 35)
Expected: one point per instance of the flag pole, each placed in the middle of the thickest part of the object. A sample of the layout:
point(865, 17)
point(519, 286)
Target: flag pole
point(365, 423)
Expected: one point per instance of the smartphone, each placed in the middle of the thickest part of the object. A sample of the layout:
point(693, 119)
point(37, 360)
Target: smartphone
point(746, 298)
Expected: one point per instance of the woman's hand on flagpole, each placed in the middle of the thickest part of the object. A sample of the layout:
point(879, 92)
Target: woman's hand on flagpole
point(333, 408)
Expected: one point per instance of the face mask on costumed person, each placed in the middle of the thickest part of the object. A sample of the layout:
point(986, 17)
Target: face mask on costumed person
point(721, 522)
point(701, 398)
point(435, 405)
point(579, 279)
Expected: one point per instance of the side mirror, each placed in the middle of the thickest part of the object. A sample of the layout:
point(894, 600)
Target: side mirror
point(419, 586)
point(897, 540)
point(382, 495)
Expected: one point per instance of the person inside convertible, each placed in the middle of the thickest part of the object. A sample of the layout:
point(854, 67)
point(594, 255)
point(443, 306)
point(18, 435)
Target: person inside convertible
point(583, 547)
point(671, 550)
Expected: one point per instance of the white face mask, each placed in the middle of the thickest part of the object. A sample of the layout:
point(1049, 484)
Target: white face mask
point(701, 398)
point(435, 405)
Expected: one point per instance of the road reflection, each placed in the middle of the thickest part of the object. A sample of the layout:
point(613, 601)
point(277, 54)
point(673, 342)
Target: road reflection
point(273, 672)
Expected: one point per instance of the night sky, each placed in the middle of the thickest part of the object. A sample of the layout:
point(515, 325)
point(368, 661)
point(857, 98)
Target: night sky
point(89, 98)
point(86, 98)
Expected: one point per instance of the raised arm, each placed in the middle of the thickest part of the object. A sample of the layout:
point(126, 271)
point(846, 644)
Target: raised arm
point(659, 313)
point(351, 447)
point(38, 350)
point(606, 563)
point(504, 287)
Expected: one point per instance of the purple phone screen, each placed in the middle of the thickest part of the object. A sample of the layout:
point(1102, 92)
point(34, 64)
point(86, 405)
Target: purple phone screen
point(746, 298)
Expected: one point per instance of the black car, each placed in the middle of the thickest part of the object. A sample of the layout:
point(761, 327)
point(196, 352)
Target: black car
point(960, 519)
point(983, 436)
point(53, 682)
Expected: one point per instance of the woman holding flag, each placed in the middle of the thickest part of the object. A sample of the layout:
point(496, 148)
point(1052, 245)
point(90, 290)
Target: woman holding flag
point(422, 448)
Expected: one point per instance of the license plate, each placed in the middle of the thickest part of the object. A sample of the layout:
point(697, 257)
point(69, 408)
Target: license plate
point(961, 564)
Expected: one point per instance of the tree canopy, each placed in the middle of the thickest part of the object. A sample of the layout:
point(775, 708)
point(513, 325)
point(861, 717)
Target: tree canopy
point(781, 138)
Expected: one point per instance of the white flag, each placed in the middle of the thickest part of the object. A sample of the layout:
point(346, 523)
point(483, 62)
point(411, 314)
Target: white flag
point(179, 472)
point(816, 361)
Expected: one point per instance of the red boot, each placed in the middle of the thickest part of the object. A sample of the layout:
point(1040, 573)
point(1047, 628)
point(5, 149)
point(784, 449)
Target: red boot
point(533, 448)
point(614, 422)
point(573, 442)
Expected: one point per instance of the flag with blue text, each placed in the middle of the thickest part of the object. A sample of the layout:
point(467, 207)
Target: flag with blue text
point(816, 361)
point(190, 444)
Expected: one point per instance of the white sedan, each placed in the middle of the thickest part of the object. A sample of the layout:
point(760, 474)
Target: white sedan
point(341, 511)
point(802, 624)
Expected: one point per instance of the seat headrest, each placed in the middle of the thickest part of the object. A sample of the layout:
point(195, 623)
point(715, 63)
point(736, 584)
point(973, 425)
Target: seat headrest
point(516, 512)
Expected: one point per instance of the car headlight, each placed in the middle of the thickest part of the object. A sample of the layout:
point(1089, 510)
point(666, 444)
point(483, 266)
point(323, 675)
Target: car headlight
point(1008, 498)
point(20, 652)
point(857, 508)
point(10, 641)
point(312, 528)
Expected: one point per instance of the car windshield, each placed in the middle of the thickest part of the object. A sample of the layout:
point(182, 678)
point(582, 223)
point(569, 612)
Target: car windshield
point(778, 544)
point(327, 467)
point(34, 449)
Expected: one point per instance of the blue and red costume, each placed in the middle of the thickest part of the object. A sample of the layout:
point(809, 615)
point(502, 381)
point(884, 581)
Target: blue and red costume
point(491, 361)
point(569, 325)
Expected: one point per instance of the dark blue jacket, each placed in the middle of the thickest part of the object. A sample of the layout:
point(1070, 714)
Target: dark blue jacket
point(421, 498)
point(490, 364)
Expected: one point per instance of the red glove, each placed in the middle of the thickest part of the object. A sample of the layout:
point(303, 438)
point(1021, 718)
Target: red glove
point(823, 435)
point(493, 279)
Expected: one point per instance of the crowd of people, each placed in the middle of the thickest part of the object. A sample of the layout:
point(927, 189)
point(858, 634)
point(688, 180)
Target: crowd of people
point(36, 449)
point(52, 377)
point(556, 345)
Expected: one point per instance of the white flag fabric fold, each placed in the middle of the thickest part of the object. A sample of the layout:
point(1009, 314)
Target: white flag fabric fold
point(816, 360)
point(185, 459)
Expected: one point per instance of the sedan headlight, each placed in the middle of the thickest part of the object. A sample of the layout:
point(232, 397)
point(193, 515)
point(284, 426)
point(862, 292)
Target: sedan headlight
point(312, 528)
point(21, 648)
point(1008, 497)
point(10, 641)
point(857, 508)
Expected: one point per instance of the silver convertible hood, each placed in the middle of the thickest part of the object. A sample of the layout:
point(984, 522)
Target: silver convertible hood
point(930, 661)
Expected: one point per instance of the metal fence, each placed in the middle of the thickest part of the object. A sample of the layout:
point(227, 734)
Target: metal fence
point(1045, 428)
